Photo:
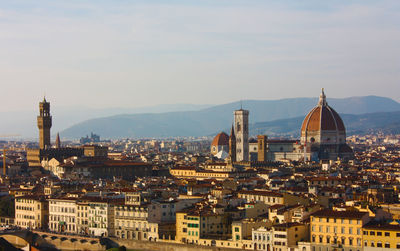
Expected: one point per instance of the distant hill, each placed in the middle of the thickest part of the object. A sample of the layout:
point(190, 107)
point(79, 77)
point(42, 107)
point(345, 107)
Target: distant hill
point(210, 120)
point(24, 122)
point(387, 122)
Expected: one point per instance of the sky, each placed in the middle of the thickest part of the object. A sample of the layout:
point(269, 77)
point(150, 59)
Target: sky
point(124, 53)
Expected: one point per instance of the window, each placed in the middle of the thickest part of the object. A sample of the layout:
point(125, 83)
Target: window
point(379, 244)
point(397, 234)
point(387, 234)
point(387, 245)
point(379, 233)
point(236, 229)
point(371, 232)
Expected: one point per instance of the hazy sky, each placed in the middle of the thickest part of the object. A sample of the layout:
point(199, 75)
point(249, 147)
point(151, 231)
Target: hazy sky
point(136, 53)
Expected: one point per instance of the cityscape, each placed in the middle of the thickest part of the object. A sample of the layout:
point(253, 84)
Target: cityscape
point(200, 125)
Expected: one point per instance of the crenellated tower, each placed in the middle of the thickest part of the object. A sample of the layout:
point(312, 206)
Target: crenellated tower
point(44, 124)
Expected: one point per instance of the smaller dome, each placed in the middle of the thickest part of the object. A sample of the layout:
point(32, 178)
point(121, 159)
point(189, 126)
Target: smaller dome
point(222, 139)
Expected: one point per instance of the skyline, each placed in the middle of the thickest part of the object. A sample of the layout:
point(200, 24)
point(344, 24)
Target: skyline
point(135, 54)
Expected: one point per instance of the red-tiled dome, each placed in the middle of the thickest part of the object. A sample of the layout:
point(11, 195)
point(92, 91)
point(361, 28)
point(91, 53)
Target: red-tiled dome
point(222, 139)
point(322, 118)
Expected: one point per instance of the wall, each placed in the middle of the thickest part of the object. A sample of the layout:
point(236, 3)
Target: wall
point(165, 246)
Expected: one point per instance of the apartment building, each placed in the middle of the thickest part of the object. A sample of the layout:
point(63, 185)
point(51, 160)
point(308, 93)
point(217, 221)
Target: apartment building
point(337, 229)
point(381, 237)
point(31, 212)
point(63, 215)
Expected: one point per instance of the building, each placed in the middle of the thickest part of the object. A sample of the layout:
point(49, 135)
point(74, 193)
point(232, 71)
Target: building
point(262, 148)
point(242, 134)
point(63, 215)
point(82, 217)
point(101, 216)
point(232, 146)
point(377, 237)
point(280, 237)
point(323, 137)
point(323, 133)
point(31, 212)
point(337, 229)
point(272, 198)
point(193, 173)
point(220, 145)
point(44, 123)
point(192, 225)
point(95, 151)
point(131, 222)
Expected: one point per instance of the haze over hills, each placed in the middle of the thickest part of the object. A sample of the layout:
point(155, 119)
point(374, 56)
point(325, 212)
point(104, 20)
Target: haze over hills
point(24, 122)
point(210, 120)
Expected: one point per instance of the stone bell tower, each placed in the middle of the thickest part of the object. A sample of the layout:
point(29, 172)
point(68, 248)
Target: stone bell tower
point(242, 134)
point(44, 124)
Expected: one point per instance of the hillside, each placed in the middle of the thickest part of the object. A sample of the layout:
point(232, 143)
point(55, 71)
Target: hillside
point(210, 120)
point(387, 122)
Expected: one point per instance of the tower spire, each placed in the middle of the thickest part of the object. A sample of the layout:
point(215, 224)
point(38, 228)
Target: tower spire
point(232, 146)
point(58, 142)
point(322, 99)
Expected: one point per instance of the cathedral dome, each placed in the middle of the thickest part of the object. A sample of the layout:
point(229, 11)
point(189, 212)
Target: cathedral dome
point(222, 139)
point(323, 125)
point(220, 142)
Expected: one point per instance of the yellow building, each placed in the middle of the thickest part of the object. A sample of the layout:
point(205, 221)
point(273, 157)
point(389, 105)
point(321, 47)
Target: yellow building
point(193, 225)
point(337, 229)
point(192, 173)
point(381, 237)
point(31, 212)
point(272, 198)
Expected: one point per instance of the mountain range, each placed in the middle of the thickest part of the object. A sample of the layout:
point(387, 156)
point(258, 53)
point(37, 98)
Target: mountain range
point(271, 117)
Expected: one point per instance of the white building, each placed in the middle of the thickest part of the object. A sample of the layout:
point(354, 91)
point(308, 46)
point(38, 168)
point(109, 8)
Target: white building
point(101, 216)
point(63, 215)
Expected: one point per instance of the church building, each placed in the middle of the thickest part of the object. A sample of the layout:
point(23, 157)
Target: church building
point(323, 137)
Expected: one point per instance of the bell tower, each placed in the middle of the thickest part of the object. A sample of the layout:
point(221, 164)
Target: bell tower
point(44, 124)
point(242, 134)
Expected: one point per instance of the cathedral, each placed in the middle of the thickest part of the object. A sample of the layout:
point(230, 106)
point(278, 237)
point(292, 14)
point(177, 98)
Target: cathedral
point(323, 137)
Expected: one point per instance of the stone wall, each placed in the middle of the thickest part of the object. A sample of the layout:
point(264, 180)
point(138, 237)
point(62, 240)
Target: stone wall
point(164, 246)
